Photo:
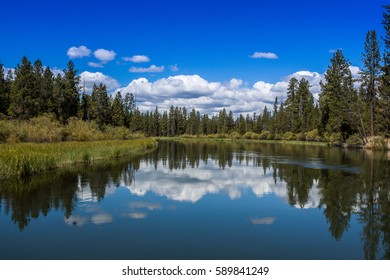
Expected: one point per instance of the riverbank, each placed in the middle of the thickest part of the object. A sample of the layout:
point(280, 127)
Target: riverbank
point(26, 159)
point(373, 143)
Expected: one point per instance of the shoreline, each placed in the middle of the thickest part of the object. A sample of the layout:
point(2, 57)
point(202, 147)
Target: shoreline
point(26, 159)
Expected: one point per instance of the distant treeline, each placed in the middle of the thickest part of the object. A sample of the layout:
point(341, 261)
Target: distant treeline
point(342, 113)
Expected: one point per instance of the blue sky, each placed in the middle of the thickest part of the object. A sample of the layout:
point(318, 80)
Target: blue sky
point(212, 40)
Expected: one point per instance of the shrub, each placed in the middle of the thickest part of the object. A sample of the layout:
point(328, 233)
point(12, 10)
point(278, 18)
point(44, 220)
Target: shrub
point(251, 135)
point(235, 135)
point(78, 130)
point(278, 136)
point(336, 138)
point(300, 136)
point(313, 135)
point(44, 128)
point(354, 141)
point(288, 136)
point(377, 143)
point(5, 130)
point(265, 135)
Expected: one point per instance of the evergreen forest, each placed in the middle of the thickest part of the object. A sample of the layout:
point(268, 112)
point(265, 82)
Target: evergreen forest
point(348, 109)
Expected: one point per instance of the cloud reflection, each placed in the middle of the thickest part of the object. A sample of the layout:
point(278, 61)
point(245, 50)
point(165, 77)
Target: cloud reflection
point(101, 218)
point(192, 184)
point(263, 221)
point(138, 215)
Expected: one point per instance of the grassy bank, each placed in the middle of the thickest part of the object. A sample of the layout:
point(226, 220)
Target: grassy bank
point(216, 139)
point(25, 159)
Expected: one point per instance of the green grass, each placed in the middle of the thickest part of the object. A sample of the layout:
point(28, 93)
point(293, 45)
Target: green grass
point(26, 159)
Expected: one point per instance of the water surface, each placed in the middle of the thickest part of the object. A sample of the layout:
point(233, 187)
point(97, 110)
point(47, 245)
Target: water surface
point(198, 200)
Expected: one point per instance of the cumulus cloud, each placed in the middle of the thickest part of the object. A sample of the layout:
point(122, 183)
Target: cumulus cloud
point(195, 92)
point(95, 64)
point(267, 55)
point(78, 52)
point(137, 58)
point(104, 55)
point(150, 69)
point(173, 68)
point(90, 78)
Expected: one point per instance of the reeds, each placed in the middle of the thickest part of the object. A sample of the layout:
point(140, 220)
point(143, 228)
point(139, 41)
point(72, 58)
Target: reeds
point(25, 159)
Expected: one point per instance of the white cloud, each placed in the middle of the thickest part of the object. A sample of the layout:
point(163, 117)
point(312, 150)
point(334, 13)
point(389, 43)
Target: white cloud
point(78, 52)
point(150, 69)
point(57, 71)
point(355, 71)
point(137, 59)
point(96, 78)
point(267, 55)
point(7, 70)
point(192, 91)
point(104, 55)
point(95, 64)
point(335, 50)
point(173, 68)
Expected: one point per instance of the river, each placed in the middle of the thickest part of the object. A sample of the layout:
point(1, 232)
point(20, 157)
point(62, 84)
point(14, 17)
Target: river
point(205, 200)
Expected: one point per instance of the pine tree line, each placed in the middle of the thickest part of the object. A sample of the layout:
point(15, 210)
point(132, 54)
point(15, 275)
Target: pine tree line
point(342, 111)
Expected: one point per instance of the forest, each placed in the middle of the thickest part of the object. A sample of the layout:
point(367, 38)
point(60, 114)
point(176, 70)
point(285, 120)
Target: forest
point(349, 109)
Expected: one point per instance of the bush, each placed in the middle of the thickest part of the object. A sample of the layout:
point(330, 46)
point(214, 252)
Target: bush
point(251, 135)
point(377, 143)
point(5, 130)
point(313, 135)
point(300, 136)
point(288, 136)
point(44, 128)
point(278, 136)
point(78, 130)
point(336, 138)
point(265, 135)
point(354, 141)
point(235, 135)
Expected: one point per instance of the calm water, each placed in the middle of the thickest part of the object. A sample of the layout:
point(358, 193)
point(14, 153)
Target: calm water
point(205, 201)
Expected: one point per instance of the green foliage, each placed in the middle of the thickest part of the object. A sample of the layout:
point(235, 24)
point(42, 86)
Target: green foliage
point(78, 130)
point(265, 135)
point(251, 135)
point(313, 135)
point(235, 135)
point(336, 138)
point(288, 136)
point(338, 98)
point(355, 141)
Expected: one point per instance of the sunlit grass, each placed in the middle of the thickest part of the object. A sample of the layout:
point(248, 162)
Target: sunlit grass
point(25, 159)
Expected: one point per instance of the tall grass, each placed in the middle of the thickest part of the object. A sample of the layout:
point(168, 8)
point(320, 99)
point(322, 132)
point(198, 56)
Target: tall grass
point(25, 159)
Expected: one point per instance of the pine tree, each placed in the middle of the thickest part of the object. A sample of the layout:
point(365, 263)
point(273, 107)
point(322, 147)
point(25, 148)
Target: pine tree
point(291, 105)
point(47, 91)
point(5, 87)
point(118, 114)
point(37, 92)
point(85, 107)
point(21, 97)
point(70, 98)
point(384, 89)
point(100, 105)
point(337, 93)
point(371, 73)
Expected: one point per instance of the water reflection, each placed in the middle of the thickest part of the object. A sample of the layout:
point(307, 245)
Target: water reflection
point(341, 183)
